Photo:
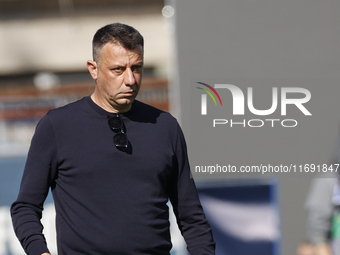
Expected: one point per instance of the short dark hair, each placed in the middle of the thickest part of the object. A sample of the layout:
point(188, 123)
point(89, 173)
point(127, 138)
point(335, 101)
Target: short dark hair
point(121, 34)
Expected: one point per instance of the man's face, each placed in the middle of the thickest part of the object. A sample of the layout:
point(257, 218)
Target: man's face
point(118, 75)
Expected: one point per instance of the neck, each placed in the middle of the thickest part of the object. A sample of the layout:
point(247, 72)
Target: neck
point(109, 107)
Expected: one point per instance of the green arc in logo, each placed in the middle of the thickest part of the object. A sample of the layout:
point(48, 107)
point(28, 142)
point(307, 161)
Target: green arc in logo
point(207, 91)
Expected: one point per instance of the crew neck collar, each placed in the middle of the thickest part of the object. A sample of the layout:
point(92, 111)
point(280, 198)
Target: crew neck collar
point(103, 112)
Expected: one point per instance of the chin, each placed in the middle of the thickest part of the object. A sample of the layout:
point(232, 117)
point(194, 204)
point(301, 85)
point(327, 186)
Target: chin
point(125, 102)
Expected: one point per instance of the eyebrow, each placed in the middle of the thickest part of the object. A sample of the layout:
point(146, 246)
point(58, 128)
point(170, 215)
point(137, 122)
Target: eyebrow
point(119, 65)
point(139, 63)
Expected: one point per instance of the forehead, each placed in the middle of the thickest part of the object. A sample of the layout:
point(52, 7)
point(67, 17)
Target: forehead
point(114, 50)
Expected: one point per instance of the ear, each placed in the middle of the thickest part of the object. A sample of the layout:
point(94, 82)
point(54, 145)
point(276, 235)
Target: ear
point(92, 67)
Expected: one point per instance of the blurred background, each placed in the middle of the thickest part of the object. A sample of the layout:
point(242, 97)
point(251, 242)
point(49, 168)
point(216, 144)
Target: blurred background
point(44, 46)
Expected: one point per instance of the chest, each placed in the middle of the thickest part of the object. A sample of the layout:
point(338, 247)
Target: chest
point(87, 153)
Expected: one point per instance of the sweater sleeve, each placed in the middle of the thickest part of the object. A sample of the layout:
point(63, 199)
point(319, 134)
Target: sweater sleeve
point(187, 207)
point(26, 211)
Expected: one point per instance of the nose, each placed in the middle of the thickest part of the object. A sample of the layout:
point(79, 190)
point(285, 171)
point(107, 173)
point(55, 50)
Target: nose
point(129, 78)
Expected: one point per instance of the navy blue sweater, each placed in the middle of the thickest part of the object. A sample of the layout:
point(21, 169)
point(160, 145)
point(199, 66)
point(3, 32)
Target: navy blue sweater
point(109, 201)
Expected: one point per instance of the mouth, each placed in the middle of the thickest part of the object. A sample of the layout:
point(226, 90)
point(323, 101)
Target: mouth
point(128, 93)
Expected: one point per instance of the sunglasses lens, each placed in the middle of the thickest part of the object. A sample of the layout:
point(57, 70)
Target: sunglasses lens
point(120, 140)
point(115, 122)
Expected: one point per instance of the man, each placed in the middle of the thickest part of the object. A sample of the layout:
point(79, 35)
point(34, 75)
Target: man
point(112, 163)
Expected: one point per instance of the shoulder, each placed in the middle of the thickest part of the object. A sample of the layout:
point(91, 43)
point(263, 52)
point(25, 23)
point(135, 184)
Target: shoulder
point(67, 110)
point(153, 114)
point(59, 116)
point(160, 122)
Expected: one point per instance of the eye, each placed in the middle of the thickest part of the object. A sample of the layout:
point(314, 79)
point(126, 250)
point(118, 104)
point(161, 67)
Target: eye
point(117, 69)
point(137, 68)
